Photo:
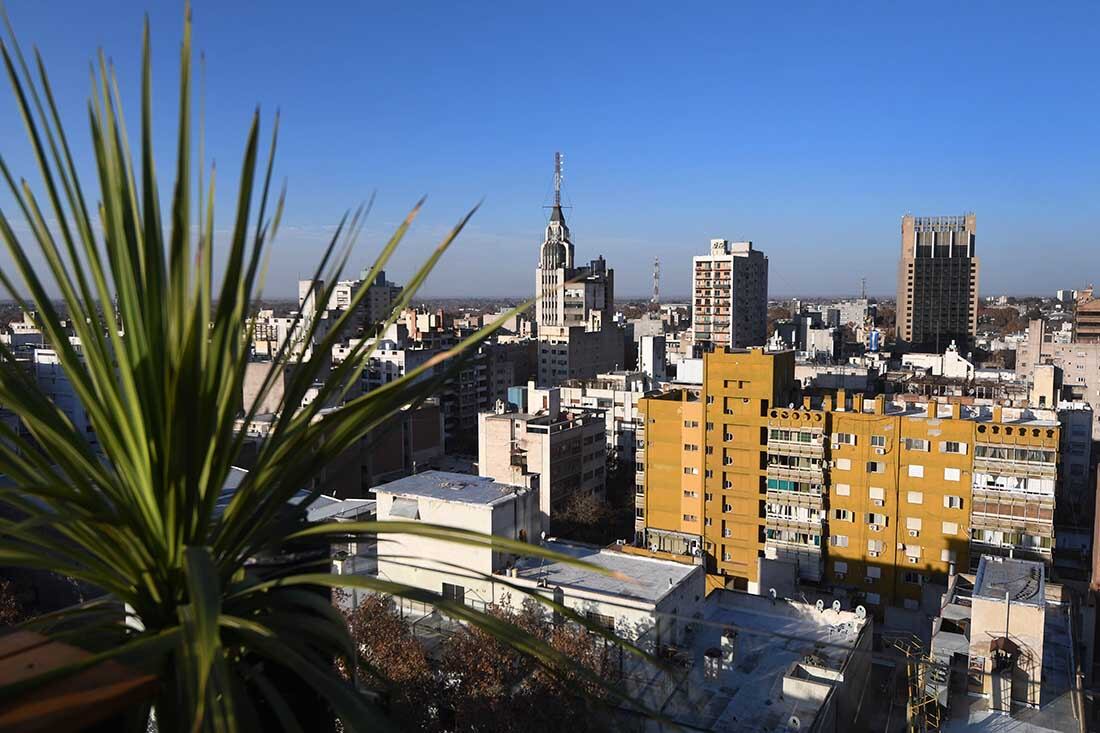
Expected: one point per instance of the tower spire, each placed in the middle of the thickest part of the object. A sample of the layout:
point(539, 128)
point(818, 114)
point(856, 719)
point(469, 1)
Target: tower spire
point(557, 179)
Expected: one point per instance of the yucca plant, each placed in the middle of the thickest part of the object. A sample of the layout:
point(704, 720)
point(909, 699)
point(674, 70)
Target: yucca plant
point(159, 369)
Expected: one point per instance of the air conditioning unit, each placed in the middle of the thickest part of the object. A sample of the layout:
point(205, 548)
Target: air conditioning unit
point(901, 546)
point(869, 579)
point(836, 446)
point(878, 502)
point(875, 527)
point(914, 533)
point(912, 560)
point(880, 451)
point(874, 553)
point(840, 576)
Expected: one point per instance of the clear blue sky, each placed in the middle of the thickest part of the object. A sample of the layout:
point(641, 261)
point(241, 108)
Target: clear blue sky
point(809, 129)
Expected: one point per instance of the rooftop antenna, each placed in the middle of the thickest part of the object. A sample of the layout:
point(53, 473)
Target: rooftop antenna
point(656, 300)
point(863, 288)
point(557, 178)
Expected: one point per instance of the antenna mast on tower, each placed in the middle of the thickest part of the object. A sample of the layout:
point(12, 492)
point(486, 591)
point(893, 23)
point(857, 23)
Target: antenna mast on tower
point(656, 300)
point(863, 288)
point(557, 179)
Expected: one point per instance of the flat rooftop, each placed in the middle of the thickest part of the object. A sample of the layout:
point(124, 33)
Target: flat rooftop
point(642, 578)
point(770, 638)
point(449, 486)
point(1023, 580)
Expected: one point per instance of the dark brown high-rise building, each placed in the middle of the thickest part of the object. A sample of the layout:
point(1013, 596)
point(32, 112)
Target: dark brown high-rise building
point(937, 283)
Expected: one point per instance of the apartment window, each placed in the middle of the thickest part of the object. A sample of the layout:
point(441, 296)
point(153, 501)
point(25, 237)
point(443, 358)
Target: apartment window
point(690, 518)
point(708, 522)
point(845, 438)
point(947, 555)
point(691, 448)
point(691, 471)
point(727, 437)
point(710, 426)
point(727, 484)
point(913, 523)
point(876, 519)
point(916, 471)
point(878, 441)
point(639, 513)
point(874, 546)
point(840, 568)
point(839, 540)
point(843, 464)
point(876, 467)
point(842, 490)
point(872, 598)
point(911, 576)
point(710, 450)
point(952, 474)
point(452, 592)
point(950, 446)
point(689, 494)
point(912, 550)
point(874, 572)
point(639, 466)
point(915, 497)
point(877, 493)
point(842, 515)
point(950, 527)
point(726, 556)
point(708, 473)
point(916, 444)
point(691, 423)
point(953, 502)
point(708, 496)
point(639, 489)
point(727, 508)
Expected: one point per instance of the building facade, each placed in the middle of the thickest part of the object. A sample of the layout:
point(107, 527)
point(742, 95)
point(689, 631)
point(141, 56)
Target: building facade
point(937, 283)
point(561, 453)
point(867, 496)
point(729, 296)
point(574, 307)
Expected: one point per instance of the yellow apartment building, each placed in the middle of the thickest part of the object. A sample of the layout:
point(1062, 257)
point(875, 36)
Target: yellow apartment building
point(869, 496)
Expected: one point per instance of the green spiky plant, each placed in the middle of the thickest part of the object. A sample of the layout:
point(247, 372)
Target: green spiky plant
point(159, 369)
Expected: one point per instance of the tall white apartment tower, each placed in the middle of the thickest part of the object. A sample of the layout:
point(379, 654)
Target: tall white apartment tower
point(729, 296)
point(574, 307)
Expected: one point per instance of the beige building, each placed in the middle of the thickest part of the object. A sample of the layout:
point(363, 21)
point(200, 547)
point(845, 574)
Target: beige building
point(937, 283)
point(729, 295)
point(1079, 362)
point(562, 453)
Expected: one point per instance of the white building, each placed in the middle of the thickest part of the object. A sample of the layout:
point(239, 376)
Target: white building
point(651, 357)
point(616, 395)
point(456, 571)
point(729, 295)
point(949, 364)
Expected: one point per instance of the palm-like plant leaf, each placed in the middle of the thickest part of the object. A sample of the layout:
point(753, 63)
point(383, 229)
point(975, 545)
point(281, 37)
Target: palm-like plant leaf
point(158, 363)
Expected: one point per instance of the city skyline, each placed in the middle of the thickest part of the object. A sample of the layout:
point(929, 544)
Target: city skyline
point(813, 156)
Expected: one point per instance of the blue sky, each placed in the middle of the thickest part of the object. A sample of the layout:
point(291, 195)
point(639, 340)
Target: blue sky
point(808, 128)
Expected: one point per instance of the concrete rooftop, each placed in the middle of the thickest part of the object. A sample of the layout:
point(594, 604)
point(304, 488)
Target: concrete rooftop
point(644, 578)
point(448, 486)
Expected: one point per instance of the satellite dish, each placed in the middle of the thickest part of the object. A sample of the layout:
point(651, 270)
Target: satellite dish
point(861, 612)
point(836, 606)
point(820, 605)
point(793, 723)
